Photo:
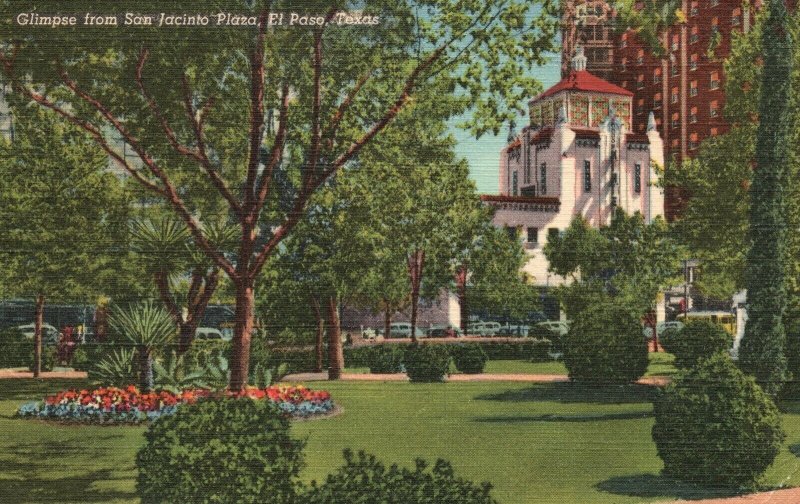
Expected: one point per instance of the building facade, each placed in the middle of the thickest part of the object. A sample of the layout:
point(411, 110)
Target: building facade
point(578, 156)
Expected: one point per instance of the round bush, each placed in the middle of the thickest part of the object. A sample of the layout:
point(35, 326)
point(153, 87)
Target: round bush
point(667, 337)
point(385, 359)
point(229, 450)
point(427, 362)
point(605, 344)
point(715, 426)
point(469, 359)
point(698, 339)
point(364, 479)
point(543, 332)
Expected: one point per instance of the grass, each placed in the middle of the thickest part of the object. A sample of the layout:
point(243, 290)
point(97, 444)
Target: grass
point(535, 443)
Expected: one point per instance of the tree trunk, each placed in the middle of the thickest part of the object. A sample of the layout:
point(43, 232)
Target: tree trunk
point(101, 322)
point(186, 336)
point(37, 335)
point(461, 290)
point(243, 328)
point(415, 265)
point(335, 350)
point(387, 321)
point(319, 344)
point(145, 369)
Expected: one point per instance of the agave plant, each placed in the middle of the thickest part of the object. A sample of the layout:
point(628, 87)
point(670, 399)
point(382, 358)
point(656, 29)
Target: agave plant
point(115, 368)
point(175, 374)
point(146, 327)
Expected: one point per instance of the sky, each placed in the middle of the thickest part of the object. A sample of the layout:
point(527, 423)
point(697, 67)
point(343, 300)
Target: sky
point(484, 155)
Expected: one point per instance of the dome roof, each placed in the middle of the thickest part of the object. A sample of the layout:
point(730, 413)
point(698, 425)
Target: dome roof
point(581, 80)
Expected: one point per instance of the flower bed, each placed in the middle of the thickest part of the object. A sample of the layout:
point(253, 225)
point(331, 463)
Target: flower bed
point(129, 405)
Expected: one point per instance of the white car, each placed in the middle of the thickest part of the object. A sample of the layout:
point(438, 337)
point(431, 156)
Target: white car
point(209, 333)
point(49, 333)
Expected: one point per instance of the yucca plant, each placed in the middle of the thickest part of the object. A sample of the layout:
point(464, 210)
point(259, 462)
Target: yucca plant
point(175, 374)
point(146, 327)
point(115, 368)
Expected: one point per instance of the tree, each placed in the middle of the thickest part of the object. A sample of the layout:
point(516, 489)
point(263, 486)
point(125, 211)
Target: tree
point(62, 215)
point(312, 98)
point(491, 278)
point(762, 349)
point(627, 260)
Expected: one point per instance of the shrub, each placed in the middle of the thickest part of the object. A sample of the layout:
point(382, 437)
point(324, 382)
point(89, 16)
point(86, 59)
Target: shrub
point(605, 344)
point(87, 354)
point(667, 337)
point(364, 479)
point(427, 362)
point(48, 357)
point(715, 426)
point(469, 359)
point(231, 450)
point(384, 359)
point(698, 339)
point(540, 350)
point(15, 348)
point(114, 367)
point(543, 332)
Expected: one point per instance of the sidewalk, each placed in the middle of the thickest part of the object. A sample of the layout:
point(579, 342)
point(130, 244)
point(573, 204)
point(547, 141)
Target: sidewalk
point(788, 496)
point(485, 377)
point(11, 374)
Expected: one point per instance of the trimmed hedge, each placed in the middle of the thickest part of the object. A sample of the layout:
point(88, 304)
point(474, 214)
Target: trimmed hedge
point(540, 350)
point(426, 362)
point(364, 479)
point(228, 450)
point(384, 359)
point(469, 359)
point(698, 339)
point(715, 426)
point(605, 344)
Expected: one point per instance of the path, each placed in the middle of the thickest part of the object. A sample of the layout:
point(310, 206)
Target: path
point(788, 496)
point(12, 373)
point(485, 377)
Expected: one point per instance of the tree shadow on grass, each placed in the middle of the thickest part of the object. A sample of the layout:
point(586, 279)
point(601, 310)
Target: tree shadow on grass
point(570, 392)
point(795, 449)
point(74, 488)
point(654, 485)
point(564, 418)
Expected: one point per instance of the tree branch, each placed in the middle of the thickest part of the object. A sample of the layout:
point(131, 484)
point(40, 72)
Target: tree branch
point(333, 127)
point(277, 149)
point(162, 282)
point(256, 115)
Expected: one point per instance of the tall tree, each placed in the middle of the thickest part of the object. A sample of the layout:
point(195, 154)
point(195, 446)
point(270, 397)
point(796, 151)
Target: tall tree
point(62, 215)
point(762, 349)
point(313, 97)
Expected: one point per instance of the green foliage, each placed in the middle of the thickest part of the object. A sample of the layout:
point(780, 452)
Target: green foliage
point(426, 362)
point(384, 359)
point(715, 426)
point(226, 450)
point(666, 337)
point(15, 348)
point(364, 479)
point(49, 355)
point(469, 359)
point(628, 260)
point(698, 339)
point(143, 325)
point(87, 354)
point(605, 344)
point(540, 351)
point(543, 332)
point(115, 367)
point(173, 374)
point(762, 348)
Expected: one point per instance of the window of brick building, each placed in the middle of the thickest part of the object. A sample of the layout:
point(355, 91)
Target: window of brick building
point(675, 42)
point(640, 106)
point(657, 75)
point(674, 98)
point(715, 25)
point(736, 16)
point(693, 59)
point(675, 143)
point(694, 8)
point(674, 69)
point(713, 108)
point(714, 84)
point(714, 3)
point(640, 57)
point(693, 142)
point(657, 101)
point(695, 35)
point(714, 132)
point(640, 81)
point(623, 41)
point(675, 120)
point(624, 63)
point(693, 115)
point(693, 88)
point(637, 178)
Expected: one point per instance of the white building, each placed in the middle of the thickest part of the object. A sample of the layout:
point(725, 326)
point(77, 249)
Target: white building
point(577, 157)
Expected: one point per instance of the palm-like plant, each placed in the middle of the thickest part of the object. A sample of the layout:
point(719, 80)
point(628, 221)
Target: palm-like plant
point(146, 327)
point(115, 368)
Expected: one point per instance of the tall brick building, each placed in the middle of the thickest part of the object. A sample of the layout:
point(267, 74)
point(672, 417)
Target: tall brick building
point(685, 88)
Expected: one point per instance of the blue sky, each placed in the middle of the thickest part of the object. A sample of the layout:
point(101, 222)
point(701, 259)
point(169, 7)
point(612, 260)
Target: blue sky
point(484, 155)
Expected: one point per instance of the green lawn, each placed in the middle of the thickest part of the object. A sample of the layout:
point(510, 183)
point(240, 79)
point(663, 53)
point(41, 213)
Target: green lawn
point(536, 443)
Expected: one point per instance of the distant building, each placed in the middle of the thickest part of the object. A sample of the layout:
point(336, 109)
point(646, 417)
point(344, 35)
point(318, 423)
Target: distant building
point(578, 156)
point(589, 24)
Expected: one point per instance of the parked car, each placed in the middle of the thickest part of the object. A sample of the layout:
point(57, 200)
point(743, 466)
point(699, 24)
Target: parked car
point(49, 333)
point(484, 328)
point(514, 330)
point(399, 330)
point(443, 331)
point(558, 326)
point(209, 333)
point(661, 327)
